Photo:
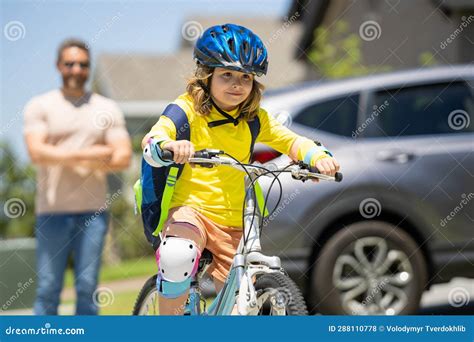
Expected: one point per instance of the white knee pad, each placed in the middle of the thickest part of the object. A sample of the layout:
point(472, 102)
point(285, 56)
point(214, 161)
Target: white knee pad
point(177, 259)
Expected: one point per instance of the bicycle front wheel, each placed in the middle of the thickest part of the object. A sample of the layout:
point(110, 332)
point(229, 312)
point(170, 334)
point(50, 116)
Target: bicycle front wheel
point(147, 300)
point(277, 294)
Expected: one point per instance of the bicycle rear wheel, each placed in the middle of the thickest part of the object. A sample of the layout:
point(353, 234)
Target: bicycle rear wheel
point(277, 294)
point(147, 300)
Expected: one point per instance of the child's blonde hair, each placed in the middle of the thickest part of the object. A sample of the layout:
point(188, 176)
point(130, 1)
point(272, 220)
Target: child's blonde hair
point(202, 101)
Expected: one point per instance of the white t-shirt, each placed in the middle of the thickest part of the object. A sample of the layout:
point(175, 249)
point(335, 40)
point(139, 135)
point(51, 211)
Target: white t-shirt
point(72, 124)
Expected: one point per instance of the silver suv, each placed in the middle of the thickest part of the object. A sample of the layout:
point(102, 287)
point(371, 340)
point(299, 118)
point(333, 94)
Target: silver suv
point(403, 217)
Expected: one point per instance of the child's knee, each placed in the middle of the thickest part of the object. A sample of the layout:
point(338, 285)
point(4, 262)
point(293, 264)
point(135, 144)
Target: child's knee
point(178, 260)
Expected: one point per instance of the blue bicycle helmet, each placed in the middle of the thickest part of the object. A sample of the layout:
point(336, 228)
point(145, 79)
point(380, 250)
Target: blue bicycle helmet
point(234, 47)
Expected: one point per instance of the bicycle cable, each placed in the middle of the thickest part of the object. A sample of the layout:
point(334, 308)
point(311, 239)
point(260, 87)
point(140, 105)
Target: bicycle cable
point(244, 165)
point(276, 178)
point(275, 175)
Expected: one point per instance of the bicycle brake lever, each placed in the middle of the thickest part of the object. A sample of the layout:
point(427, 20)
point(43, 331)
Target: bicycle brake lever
point(207, 154)
point(304, 166)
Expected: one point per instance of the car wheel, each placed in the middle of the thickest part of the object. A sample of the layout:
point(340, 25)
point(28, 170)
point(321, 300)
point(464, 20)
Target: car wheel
point(369, 268)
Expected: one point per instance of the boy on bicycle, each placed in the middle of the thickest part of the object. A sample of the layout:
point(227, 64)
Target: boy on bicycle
point(222, 99)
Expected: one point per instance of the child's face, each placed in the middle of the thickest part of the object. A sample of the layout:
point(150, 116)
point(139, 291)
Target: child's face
point(230, 88)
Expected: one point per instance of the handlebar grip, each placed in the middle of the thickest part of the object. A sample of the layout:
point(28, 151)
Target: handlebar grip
point(337, 177)
point(169, 155)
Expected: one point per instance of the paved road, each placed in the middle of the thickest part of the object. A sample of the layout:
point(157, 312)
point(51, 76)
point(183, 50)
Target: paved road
point(454, 298)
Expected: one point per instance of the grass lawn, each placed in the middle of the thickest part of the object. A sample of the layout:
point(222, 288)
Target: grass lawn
point(128, 269)
point(123, 301)
point(122, 304)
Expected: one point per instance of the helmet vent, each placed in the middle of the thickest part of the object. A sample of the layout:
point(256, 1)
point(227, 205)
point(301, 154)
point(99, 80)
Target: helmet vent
point(230, 42)
point(246, 47)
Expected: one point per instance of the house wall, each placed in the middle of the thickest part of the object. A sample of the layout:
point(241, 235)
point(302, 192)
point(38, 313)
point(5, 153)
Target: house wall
point(407, 29)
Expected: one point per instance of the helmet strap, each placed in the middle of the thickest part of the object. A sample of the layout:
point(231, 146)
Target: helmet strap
point(229, 118)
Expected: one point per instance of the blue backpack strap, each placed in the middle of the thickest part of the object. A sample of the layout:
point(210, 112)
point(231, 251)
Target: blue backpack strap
point(180, 120)
point(183, 132)
point(254, 126)
point(154, 180)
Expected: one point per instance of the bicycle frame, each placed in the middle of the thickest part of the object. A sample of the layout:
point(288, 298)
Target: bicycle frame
point(247, 263)
point(248, 260)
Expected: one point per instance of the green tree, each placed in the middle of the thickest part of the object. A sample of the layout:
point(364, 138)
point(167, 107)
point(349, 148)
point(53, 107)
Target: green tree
point(336, 53)
point(427, 59)
point(17, 189)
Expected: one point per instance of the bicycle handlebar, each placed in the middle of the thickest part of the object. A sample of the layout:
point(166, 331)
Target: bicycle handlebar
point(210, 158)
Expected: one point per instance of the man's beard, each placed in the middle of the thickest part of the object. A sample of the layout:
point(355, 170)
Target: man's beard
point(74, 82)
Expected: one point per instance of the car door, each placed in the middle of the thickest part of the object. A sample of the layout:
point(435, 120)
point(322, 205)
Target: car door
point(331, 120)
point(426, 133)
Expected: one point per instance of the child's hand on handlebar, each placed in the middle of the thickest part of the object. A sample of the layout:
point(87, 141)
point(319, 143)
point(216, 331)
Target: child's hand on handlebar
point(182, 150)
point(326, 166)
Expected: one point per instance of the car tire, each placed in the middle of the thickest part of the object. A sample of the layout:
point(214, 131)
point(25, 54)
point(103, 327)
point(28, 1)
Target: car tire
point(369, 268)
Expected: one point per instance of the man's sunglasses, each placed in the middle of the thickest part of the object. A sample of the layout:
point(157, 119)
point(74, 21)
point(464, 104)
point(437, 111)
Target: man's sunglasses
point(82, 65)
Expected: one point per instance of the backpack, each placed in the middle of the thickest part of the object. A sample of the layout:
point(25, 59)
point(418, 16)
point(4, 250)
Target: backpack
point(154, 190)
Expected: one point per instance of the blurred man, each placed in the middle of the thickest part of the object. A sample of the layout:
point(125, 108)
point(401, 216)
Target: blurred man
point(75, 137)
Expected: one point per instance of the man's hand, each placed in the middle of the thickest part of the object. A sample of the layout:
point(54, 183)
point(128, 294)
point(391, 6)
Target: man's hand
point(113, 157)
point(95, 153)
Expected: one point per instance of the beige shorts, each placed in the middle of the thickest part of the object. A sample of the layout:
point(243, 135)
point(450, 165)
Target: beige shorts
point(222, 241)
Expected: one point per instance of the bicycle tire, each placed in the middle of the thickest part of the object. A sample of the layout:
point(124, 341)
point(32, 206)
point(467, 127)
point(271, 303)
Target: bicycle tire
point(148, 288)
point(295, 304)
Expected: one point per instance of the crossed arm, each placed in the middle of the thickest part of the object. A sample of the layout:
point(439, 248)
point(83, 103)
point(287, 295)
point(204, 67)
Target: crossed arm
point(112, 157)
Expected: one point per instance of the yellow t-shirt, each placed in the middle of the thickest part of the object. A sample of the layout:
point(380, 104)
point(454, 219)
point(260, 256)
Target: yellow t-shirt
point(218, 192)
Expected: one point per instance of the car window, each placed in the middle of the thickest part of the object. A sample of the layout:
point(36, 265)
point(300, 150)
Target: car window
point(428, 109)
point(337, 116)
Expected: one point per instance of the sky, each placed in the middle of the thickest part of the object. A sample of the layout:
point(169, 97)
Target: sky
point(32, 30)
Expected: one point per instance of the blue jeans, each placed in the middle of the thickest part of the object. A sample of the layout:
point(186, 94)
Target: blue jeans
point(58, 236)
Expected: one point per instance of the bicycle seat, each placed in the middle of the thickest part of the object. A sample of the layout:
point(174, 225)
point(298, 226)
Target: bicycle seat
point(206, 259)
